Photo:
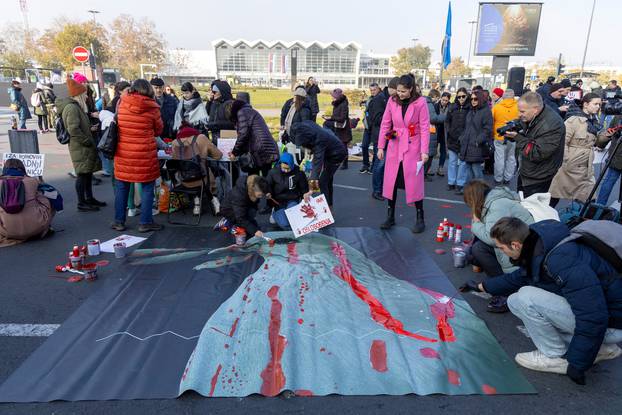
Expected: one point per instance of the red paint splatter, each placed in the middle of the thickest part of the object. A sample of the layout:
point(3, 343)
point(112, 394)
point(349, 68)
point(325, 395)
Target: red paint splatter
point(467, 226)
point(322, 349)
point(273, 376)
point(439, 251)
point(226, 346)
point(447, 206)
point(303, 392)
point(378, 312)
point(453, 377)
point(234, 326)
point(489, 390)
point(300, 321)
point(102, 263)
point(244, 297)
point(217, 330)
point(378, 355)
point(292, 253)
point(429, 353)
point(265, 266)
point(215, 380)
point(271, 243)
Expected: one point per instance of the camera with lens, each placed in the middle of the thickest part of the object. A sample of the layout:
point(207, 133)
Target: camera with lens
point(612, 103)
point(514, 125)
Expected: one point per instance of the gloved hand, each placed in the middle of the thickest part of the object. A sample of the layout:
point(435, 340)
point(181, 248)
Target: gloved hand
point(470, 285)
point(577, 376)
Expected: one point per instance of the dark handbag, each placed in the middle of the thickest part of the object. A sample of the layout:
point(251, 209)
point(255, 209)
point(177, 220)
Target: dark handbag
point(109, 140)
point(247, 162)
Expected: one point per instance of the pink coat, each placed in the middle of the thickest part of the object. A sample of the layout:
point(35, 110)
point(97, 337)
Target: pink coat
point(404, 148)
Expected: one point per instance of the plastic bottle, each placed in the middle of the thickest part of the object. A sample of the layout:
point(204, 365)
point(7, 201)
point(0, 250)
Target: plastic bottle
point(439, 233)
point(458, 234)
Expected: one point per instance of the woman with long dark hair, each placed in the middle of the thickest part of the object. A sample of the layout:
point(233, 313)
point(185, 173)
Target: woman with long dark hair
point(405, 129)
point(339, 121)
point(454, 127)
point(312, 92)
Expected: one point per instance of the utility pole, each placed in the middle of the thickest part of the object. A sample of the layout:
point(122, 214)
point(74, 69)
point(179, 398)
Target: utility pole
point(472, 23)
point(587, 39)
point(94, 67)
point(415, 56)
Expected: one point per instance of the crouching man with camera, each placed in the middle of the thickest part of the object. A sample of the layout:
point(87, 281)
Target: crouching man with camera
point(540, 144)
point(567, 294)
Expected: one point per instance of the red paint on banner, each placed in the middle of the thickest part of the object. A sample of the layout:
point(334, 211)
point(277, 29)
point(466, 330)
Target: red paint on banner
point(226, 346)
point(271, 242)
point(300, 321)
point(453, 377)
point(429, 353)
point(265, 266)
point(322, 349)
point(244, 297)
point(303, 392)
point(378, 355)
point(489, 390)
point(214, 380)
point(273, 376)
point(292, 253)
point(378, 311)
point(234, 326)
point(217, 330)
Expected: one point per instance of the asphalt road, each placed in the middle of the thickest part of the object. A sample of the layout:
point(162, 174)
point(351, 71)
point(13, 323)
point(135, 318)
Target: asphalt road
point(30, 295)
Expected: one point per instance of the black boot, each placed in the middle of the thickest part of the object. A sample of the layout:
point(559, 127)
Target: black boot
point(388, 224)
point(420, 224)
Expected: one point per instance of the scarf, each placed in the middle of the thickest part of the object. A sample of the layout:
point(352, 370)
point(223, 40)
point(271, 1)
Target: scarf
point(192, 111)
point(290, 117)
point(593, 126)
point(13, 172)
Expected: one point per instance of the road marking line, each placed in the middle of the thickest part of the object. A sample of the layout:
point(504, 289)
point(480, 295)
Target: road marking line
point(28, 330)
point(436, 199)
point(343, 186)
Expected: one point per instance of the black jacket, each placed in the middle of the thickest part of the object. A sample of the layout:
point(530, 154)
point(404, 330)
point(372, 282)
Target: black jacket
point(440, 127)
point(216, 109)
point(168, 106)
point(239, 208)
point(301, 115)
point(312, 93)
point(575, 272)
point(476, 138)
point(456, 120)
point(341, 115)
point(325, 146)
point(375, 111)
point(254, 136)
point(287, 187)
point(541, 147)
point(551, 103)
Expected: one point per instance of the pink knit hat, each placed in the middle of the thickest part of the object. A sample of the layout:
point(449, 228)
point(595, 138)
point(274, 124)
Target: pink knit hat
point(78, 77)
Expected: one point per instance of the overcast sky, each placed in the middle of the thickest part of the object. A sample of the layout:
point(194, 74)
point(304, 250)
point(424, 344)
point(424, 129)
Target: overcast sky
point(381, 26)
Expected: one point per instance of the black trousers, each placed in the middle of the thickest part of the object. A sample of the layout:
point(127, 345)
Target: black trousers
point(84, 187)
point(326, 180)
point(43, 122)
point(483, 256)
point(542, 187)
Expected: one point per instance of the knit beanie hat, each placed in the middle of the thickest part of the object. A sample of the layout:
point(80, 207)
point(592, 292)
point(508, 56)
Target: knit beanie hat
point(498, 92)
point(74, 88)
point(566, 83)
point(337, 93)
point(555, 87)
point(157, 82)
point(300, 92)
point(78, 77)
point(508, 94)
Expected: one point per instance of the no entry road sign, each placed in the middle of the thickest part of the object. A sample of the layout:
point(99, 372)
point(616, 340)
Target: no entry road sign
point(81, 54)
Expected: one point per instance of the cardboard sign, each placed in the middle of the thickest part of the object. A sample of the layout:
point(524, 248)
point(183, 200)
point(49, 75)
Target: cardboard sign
point(226, 146)
point(309, 217)
point(34, 163)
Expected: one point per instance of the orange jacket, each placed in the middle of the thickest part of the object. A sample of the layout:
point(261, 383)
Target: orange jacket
point(139, 122)
point(502, 112)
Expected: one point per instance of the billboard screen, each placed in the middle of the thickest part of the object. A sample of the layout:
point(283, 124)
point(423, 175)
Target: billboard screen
point(508, 29)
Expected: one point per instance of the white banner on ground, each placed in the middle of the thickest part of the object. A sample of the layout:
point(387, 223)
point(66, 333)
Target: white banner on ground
point(128, 240)
point(34, 163)
point(226, 146)
point(305, 218)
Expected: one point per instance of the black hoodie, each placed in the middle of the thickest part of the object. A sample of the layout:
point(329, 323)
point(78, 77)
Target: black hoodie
point(216, 108)
point(323, 143)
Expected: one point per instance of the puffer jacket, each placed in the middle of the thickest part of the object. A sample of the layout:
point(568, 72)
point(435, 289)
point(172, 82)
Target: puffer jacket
point(237, 207)
point(577, 273)
point(325, 146)
point(312, 93)
point(341, 115)
point(456, 121)
point(287, 187)
point(503, 112)
point(500, 202)
point(139, 122)
point(435, 119)
point(216, 109)
point(477, 135)
point(82, 149)
point(254, 137)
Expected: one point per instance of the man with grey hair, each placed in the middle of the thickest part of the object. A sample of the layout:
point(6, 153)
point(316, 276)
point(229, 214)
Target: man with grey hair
point(540, 144)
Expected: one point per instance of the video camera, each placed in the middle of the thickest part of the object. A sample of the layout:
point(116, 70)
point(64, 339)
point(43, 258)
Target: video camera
point(514, 125)
point(613, 103)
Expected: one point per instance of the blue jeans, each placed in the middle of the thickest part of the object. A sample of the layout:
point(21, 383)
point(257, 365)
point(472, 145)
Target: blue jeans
point(122, 192)
point(365, 147)
point(606, 187)
point(377, 172)
point(22, 123)
point(469, 171)
point(281, 218)
point(454, 171)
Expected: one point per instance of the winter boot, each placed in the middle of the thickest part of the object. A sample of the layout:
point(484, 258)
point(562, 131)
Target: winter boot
point(420, 224)
point(388, 224)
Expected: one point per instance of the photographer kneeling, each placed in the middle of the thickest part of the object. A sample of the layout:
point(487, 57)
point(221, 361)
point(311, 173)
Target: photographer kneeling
point(568, 297)
point(540, 144)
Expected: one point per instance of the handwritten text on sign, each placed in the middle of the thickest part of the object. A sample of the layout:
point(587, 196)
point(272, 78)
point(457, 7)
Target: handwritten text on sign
point(34, 163)
point(305, 218)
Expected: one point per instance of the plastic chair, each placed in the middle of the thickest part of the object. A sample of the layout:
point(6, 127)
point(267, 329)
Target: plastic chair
point(178, 169)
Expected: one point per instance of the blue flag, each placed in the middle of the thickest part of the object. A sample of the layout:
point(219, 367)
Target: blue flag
point(446, 48)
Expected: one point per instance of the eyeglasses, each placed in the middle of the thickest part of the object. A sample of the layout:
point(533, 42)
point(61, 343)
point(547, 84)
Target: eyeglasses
point(461, 96)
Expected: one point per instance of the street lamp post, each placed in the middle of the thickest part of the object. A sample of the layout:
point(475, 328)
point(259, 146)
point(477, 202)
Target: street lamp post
point(415, 55)
point(472, 23)
point(93, 14)
point(587, 40)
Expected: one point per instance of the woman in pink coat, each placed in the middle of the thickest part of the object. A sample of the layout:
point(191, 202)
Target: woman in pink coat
point(405, 131)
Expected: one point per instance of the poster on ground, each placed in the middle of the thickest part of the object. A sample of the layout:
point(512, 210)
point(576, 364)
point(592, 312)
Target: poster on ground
point(34, 163)
point(305, 218)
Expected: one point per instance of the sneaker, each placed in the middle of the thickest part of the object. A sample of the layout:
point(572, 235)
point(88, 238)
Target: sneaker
point(536, 360)
point(459, 191)
point(149, 227)
point(95, 202)
point(369, 172)
point(132, 212)
point(439, 172)
point(364, 170)
point(451, 187)
point(85, 207)
point(106, 174)
point(196, 210)
point(216, 205)
point(607, 352)
point(498, 304)
point(377, 196)
point(118, 226)
point(222, 225)
point(96, 181)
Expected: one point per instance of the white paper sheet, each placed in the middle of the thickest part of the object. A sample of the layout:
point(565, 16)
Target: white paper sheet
point(128, 240)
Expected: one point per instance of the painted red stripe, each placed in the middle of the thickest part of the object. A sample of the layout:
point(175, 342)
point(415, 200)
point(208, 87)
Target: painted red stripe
point(378, 355)
point(215, 380)
point(273, 376)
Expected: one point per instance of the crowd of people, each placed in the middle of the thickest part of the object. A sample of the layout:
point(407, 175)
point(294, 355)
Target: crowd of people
point(545, 140)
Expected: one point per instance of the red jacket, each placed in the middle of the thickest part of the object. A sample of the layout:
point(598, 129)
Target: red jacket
point(139, 122)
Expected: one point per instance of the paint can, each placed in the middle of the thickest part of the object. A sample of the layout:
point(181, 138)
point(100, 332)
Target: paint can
point(440, 233)
point(445, 228)
point(76, 261)
point(451, 231)
point(93, 247)
point(90, 271)
point(459, 258)
point(119, 249)
point(458, 234)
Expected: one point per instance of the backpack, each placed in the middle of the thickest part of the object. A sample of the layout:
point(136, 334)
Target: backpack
point(193, 168)
point(603, 236)
point(35, 99)
point(12, 195)
point(62, 135)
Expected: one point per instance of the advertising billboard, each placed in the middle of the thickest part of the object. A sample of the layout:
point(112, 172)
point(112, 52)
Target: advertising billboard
point(507, 29)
